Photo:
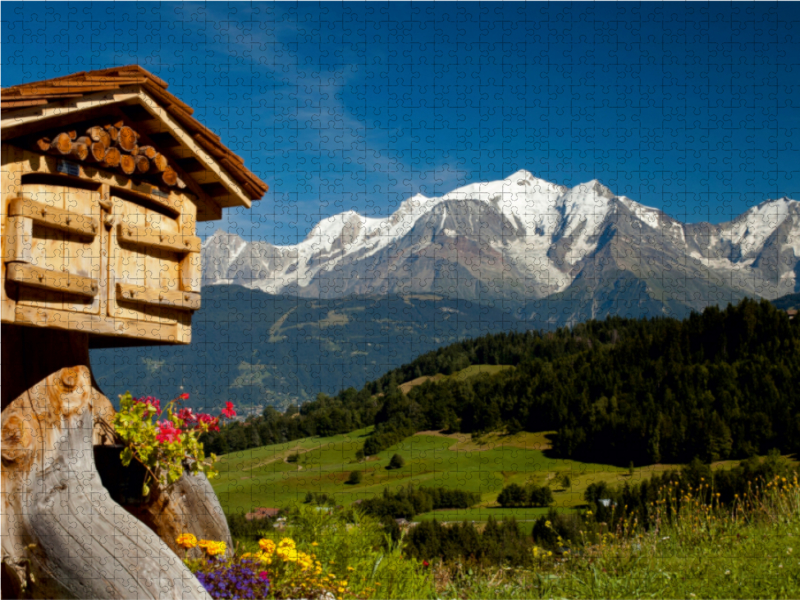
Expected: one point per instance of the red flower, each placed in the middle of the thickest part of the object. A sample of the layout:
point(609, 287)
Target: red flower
point(229, 411)
point(167, 433)
point(184, 396)
point(426, 564)
point(149, 401)
point(263, 575)
point(186, 415)
point(211, 422)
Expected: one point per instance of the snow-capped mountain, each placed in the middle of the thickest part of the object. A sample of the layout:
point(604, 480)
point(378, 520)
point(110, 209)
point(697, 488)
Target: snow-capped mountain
point(525, 239)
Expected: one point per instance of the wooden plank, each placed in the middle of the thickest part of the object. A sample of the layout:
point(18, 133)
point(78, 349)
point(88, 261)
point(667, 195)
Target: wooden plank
point(56, 218)
point(96, 324)
point(172, 242)
point(140, 294)
point(191, 272)
point(11, 170)
point(27, 274)
point(82, 253)
point(19, 240)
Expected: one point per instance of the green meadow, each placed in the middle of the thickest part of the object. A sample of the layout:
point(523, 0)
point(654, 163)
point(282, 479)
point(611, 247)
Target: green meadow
point(264, 476)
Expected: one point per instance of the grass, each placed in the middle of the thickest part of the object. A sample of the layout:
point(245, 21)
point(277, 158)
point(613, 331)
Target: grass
point(708, 552)
point(262, 477)
point(749, 553)
point(471, 371)
point(357, 554)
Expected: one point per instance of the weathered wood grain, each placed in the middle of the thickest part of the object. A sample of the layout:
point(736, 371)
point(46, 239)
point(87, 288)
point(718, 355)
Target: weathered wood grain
point(63, 536)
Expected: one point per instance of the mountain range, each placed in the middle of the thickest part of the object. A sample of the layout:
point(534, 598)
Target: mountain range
point(585, 250)
point(361, 296)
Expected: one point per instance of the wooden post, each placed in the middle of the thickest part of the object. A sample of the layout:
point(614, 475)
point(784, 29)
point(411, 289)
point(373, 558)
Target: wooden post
point(63, 536)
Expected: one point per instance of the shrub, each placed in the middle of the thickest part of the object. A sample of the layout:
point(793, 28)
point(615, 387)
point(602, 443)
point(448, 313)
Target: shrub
point(512, 495)
point(355, 478)
point(396, 462)
point(540, 496)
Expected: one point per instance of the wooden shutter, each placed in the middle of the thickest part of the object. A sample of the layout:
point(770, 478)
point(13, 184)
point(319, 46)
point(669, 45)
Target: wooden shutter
point(147, 249)
point(54, 249)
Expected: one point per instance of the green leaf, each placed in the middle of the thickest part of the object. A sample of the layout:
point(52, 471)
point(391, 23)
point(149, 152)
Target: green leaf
point(126, 456)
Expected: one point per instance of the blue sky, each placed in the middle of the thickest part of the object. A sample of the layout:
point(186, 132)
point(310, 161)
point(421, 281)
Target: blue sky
point(692, 108)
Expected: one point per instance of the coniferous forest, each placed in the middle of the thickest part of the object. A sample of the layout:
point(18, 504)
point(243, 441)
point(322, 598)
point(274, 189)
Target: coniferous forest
point(717, 385)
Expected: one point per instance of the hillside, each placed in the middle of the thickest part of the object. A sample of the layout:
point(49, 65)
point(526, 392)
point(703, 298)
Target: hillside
point(722, 384)
point(256, 349)
point(787, 302)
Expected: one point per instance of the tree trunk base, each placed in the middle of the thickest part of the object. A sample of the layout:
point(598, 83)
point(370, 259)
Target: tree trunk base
point(63, 535)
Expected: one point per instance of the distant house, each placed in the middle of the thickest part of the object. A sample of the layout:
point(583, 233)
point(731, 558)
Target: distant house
point(792, 312)
point(262, 513)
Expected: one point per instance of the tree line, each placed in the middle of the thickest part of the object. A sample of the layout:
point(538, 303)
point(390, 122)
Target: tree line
point(721, 384)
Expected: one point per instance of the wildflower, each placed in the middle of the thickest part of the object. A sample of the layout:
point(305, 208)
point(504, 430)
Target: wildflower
point(263, 575)
point(352, 569)
point(426, 564)
point(187, 541)
point(314, 544)
point(267, 546)
point(184, 396)
point(212, 548)
point(229, 411)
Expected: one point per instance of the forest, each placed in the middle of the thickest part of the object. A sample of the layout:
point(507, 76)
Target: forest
point(717, 385)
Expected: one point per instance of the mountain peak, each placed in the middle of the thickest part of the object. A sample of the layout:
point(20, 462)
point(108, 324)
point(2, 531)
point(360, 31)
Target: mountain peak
point(521, 231)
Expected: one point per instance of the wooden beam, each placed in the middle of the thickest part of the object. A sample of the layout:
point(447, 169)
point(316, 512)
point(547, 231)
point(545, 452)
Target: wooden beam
point(19, 240)
point(26, 274)
point(96, 324)
point(54, 218)
point(143, 295)
point(175, 243)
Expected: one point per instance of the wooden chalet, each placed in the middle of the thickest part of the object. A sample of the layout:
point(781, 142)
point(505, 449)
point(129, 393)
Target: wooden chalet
point(104, 177)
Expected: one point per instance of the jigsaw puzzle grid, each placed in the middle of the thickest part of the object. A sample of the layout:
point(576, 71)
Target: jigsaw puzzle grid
point(365, 120)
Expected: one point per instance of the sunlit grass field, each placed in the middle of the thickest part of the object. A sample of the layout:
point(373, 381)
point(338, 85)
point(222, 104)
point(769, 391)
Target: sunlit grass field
point(263, 477)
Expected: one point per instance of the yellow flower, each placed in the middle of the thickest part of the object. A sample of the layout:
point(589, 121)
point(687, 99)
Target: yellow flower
point(314, 544)
point(287, 554)
point(212, 548)
point(287, 543)
point(186, 540)
point(267, 546)
point(350, 569)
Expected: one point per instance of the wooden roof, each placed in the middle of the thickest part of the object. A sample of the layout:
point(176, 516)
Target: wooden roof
point(77, 85)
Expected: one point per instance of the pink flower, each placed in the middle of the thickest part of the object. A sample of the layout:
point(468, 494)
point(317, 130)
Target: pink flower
point(150, 401)
point(229, 411)
point(263, 575)
point(168, 433)
point(211, 422)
